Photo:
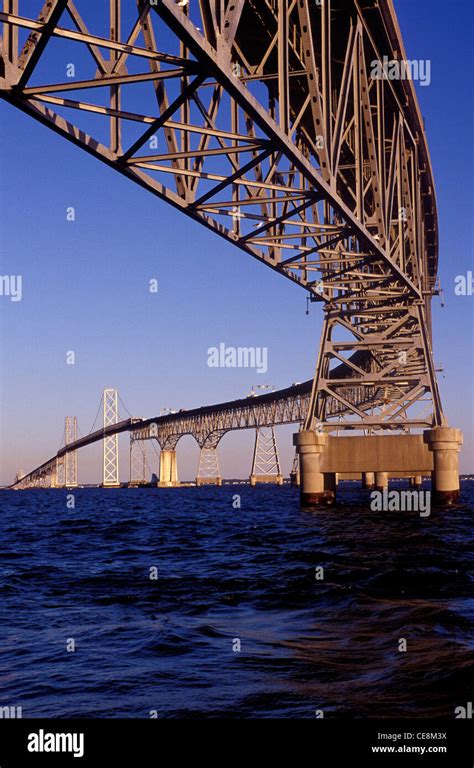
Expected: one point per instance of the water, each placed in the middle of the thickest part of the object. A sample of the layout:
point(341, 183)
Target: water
point(226, 574)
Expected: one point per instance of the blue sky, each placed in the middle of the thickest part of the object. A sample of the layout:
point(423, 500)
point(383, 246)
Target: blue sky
point(86, 282)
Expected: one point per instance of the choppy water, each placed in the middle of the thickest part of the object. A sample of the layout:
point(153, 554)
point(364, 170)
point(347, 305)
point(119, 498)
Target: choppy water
point(227, 574)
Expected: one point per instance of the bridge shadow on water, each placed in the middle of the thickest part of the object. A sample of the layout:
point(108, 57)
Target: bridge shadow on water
point(232, 601)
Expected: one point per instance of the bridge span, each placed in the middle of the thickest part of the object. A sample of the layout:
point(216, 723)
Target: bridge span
point(207, 424)
point(274, 124)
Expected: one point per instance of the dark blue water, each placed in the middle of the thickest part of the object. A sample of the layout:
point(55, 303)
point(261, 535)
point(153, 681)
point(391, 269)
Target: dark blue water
point(226, 574)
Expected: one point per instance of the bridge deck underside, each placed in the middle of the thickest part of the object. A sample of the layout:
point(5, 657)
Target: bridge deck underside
point(265, 121)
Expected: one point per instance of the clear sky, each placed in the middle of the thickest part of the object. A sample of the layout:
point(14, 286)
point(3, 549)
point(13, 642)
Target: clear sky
point(86, 282)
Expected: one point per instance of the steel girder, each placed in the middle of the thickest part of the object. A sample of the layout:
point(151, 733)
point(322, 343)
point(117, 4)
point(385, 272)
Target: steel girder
point(261, 120)
point(42, 477)
point(209, 425)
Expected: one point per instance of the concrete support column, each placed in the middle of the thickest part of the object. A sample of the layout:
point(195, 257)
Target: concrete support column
point(295, 478)
point(208, 481)
point(174, 468)
point(168, 469)
point(445, 443)
point(165, 474)
point(317, 488)
point(368, 481)
point(255, 479)
point(381, 480)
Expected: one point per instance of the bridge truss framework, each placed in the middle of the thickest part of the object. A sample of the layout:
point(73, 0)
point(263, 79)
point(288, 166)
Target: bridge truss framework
point(264, 122)
point(272, 131)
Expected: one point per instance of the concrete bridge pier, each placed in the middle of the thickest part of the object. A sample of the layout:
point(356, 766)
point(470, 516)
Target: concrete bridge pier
point(445, 444)
point(168, 469)
point(295, 478)
point(368, 481)
point(377, 458)
point(295, 471)
point(208, 481)
point(276, 479)
point(317, 488)
point(381, 480)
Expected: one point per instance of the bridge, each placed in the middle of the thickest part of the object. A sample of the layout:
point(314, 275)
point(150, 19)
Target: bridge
point(207, 425)
point(274, 124)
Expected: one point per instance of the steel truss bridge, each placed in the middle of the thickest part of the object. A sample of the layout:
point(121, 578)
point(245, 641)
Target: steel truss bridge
point(207, 425)
point(263, 121)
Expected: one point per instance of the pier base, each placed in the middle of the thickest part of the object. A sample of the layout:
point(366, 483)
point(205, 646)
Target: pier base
point(275, 479)
point(295, 479)
point(208, 481)
point(445, 444)
point(368, 481)
point(381, 480)
point(376, 458)
point(317, 488)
